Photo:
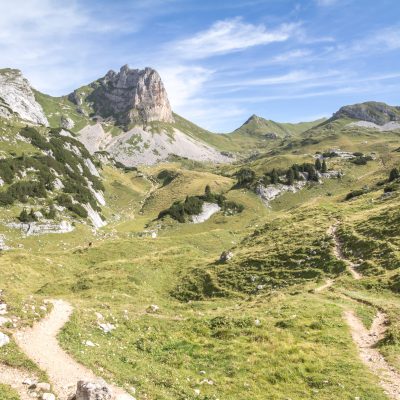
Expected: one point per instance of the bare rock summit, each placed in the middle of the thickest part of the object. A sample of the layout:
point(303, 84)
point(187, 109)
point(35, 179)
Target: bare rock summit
point(131, 96)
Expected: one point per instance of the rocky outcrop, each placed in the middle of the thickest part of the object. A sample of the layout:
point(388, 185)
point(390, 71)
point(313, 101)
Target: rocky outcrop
point(375, 112)
point(17, 97)
point(207, 211)
point(67, 123)
point(131, 96)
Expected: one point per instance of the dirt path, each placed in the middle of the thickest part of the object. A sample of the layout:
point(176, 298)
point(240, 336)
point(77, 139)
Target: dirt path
point(337, 250)
point(326, 285)
point(366, 341)
point(41, 345)
point(14, 377)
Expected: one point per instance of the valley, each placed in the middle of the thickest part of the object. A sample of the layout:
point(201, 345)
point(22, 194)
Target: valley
point(287, 287)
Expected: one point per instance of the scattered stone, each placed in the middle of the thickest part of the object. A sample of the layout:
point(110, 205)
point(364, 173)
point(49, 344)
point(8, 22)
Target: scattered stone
point(89, 343)
point(257, 322)
point(107, 327)
point(153, 308)
point(3, 309)
point(225, 256)
point(4, 339)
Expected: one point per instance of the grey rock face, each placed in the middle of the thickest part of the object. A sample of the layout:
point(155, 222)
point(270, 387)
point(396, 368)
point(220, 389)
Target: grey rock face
point(375, 112)
point(131, 96)
point(17, 96)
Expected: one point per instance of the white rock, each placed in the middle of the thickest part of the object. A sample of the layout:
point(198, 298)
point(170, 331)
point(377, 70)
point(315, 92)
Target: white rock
point(3, 309)
point(17, 94)
point(94, 217)
point(43, 386)
point(48, 396)
point(208, 209)
point(89, 343)
point(153, 308)
point(107, 327)
point(4, 339)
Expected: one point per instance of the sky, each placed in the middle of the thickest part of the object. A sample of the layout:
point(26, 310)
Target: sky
point(221, 61)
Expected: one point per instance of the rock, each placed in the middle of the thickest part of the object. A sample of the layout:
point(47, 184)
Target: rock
point(154, 235)
point(107, 327)
point(36, 228)
point(48, 396)
point(89, 343)
point(3, 309)
point(43, 386)
point(225, 256)
point(93, 391)
point(207, 211)
point(132, 96)
point(17, 97)
point(67, 123)
point(153, 308)
point(4, 339)
point(94, 216)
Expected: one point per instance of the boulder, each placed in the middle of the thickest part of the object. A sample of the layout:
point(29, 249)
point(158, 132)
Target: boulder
point(48, 396)
point(67, 123)
point(4, 339)
point(225, 256)
point(93, 391)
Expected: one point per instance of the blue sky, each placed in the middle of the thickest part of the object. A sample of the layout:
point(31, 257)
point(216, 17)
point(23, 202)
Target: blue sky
point(221, 61)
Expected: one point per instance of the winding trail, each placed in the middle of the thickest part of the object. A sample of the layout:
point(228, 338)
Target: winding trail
point(337, 250)
point(14, 377)
point(40, 344)
point(366, 342)
point(326, 285)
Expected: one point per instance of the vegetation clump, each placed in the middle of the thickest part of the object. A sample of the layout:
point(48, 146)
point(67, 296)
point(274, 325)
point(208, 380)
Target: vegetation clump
point(193, 205)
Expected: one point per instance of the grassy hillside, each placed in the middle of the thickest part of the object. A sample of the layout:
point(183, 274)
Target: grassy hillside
point(252, 327)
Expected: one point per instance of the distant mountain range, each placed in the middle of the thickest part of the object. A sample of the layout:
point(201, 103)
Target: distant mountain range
point(128, 115)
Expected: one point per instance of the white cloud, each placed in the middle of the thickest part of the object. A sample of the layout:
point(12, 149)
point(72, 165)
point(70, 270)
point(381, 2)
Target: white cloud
point(229, 36)
point(184, 82)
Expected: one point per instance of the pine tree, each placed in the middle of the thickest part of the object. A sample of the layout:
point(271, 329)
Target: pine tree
point(394, 174)
point(290, 176)
point(324, 167)
point(24, 217)
point(274, 177)
point(32, 215)
point(318, 165)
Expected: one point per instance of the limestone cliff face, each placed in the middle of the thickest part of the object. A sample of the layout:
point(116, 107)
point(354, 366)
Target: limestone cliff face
point(131, 96)
point(16, 97)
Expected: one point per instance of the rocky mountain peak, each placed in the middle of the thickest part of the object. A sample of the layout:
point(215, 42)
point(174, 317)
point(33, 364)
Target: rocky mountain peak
point(17, 97)
point(131, 96)
point(371, 111)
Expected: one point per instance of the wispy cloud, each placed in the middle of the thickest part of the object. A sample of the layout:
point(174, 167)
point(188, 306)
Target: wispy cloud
point(326, 3)
point(230, 36)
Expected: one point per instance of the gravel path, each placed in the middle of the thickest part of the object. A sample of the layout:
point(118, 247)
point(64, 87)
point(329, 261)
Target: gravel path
point(366, 341)
point(41, 345)
point(326, 285)
point(339, 253)
point(14, 377)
